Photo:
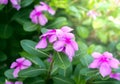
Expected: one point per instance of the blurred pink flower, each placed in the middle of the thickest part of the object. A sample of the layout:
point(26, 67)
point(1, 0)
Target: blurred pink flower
point(16, 4)
point(93, 14)
point(37, 16)
point(20, 64)
point(17, 82)
point(46, 7)
point(105, 62)
point(67, 45)
point(62, 41)
point(3, 1)
point(115, 76)
point(52, 35)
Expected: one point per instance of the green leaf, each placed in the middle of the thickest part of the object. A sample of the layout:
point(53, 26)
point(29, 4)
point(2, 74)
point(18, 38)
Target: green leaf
point(29, 46)
point(25, 3)
point(1, 6)
point(82, 32)
point(29, 26)
point(106, 82)
point(6, 31)
point(9, 74)
point(61, 60)
point(118, 46)
point(66, 72)
point(36, 81)
point(32, 72)
point(3, 57)
point(36, 60)
point(62, 80)
point(59, 22)
point(79, 78)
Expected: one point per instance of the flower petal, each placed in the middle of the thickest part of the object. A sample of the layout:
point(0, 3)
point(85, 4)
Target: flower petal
point(15, 72)
point(108, 55)
point(27, 63)
point(74, 45)
point(96, 55)
point(94, 64)
point(66, 29)
point(105, 69)
point(59, 46)
point(42, 43)
point(13, 65)
point(114, 63)
point(18, 82)
point(52, 38)
point(19, 60)
point(51, 11)
point(42, 20)
point(69, 51)
point(115, 76)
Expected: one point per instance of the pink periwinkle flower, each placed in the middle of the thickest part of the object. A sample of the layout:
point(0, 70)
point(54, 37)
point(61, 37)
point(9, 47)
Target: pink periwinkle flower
point(105, 62)
point(4, 2)
point(115, 76)
point(93, 14)
point(17, 82)
point(16, 4)
point(46, 7)
point(62, 39)
point(20, 64)
point(51, 35)
point(37, 16)
point(67, 45)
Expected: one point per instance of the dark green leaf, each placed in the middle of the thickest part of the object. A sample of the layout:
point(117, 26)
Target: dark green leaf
point(29, 46)
point(62, 80)
point(3, 56)
point(25, 3)
point(29, 26)
point(61, 60)
point(59, 22)
point(32, 72)
point(6, 31)
point(9, 74)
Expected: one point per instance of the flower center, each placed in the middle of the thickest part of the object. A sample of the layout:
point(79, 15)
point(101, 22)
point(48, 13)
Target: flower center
point(104, 59)
point(67, 40)
point(38, 13)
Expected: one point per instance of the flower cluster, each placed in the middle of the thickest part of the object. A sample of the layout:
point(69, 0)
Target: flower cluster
point(17, 82)
point(20, 64)
point(37, 16)
point(62, 40)
point(105, 62)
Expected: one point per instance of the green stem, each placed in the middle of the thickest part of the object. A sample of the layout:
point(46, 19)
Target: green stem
point(49, 71)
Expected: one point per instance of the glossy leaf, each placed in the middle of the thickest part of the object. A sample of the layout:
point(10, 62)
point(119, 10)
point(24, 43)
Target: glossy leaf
point(62, 80)
point(29, 26)
point(32, 72)
point(61, 60)
point(29, 46)
point(9, 74)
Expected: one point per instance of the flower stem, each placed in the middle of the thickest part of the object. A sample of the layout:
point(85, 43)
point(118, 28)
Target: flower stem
point(49, 71)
